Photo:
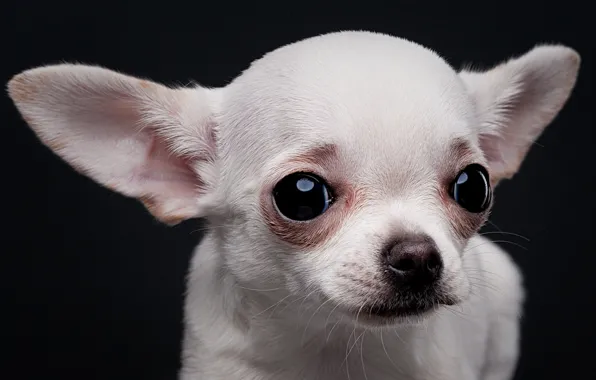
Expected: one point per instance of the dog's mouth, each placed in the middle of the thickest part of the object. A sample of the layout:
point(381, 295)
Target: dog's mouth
point(399, 312)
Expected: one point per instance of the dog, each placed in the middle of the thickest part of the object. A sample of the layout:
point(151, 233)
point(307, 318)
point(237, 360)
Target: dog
point(344, 179)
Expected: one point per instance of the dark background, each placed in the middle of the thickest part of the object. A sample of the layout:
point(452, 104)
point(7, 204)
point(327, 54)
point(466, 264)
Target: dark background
point(91, 285)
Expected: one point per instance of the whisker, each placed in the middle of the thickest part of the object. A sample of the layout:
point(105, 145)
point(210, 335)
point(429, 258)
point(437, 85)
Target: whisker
point(353, 345)
point(334, 326)
point(291, 302)
point(311, 318)
point(468, 249)
point(504, 233)
point(389, 357)
point(259, 290)
point(399, 337)
point(308, 295)
point(347, 353)
point(362, 355)
point(277, 303)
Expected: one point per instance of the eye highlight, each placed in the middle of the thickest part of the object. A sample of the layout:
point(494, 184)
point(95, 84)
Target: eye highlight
point(471, 188)
point(302, 196)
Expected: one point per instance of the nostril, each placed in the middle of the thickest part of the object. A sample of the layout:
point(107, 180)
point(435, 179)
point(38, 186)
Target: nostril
point(434, 262)
point(404, 264)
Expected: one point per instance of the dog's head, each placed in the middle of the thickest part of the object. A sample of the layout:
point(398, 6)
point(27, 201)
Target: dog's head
point(353, 166)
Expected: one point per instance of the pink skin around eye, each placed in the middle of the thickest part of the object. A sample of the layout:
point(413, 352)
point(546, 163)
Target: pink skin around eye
point(319, 230)
point(463, 223)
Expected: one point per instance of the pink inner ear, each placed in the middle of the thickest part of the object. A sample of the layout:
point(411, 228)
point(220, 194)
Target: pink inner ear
point(138, 163)
point(504, 150)
point(167, 173)
point(166, 183)
point(492, 148)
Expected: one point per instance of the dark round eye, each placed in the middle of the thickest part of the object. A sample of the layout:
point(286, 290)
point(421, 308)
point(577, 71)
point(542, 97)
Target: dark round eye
point(471, 188)
point(301, 196)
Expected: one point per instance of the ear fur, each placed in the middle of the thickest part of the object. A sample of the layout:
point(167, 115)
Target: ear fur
point(134, 136)
point(517, 99)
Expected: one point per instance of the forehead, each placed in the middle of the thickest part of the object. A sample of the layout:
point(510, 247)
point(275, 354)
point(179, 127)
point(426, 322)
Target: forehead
point(380, 99)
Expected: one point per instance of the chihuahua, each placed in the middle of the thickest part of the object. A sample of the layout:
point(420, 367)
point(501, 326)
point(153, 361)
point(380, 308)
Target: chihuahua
point(343, 179)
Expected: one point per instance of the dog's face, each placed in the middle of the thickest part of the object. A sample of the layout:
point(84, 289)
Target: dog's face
point(351, 167)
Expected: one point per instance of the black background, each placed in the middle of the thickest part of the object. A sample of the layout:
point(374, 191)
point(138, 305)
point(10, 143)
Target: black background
point(92, 286)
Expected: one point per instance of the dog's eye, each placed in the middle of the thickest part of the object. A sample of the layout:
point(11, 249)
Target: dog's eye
point(471, 188)
point(301, 196)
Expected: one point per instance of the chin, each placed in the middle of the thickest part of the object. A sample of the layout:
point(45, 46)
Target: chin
point(402, 319)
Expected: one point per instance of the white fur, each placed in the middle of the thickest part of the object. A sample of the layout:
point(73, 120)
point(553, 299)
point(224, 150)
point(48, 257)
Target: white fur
point(260, 309)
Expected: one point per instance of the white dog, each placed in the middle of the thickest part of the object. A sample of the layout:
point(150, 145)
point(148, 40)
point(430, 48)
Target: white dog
point(344, 179)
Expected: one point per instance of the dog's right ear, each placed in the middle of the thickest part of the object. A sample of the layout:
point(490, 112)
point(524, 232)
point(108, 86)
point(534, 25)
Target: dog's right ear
point(517, 99)
point(136, 137)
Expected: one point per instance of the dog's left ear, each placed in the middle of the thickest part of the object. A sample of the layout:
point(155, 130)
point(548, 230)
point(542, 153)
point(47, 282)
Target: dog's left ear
point(517, 99)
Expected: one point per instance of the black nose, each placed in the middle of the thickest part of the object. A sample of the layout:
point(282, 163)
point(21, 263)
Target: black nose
point(415, 261)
